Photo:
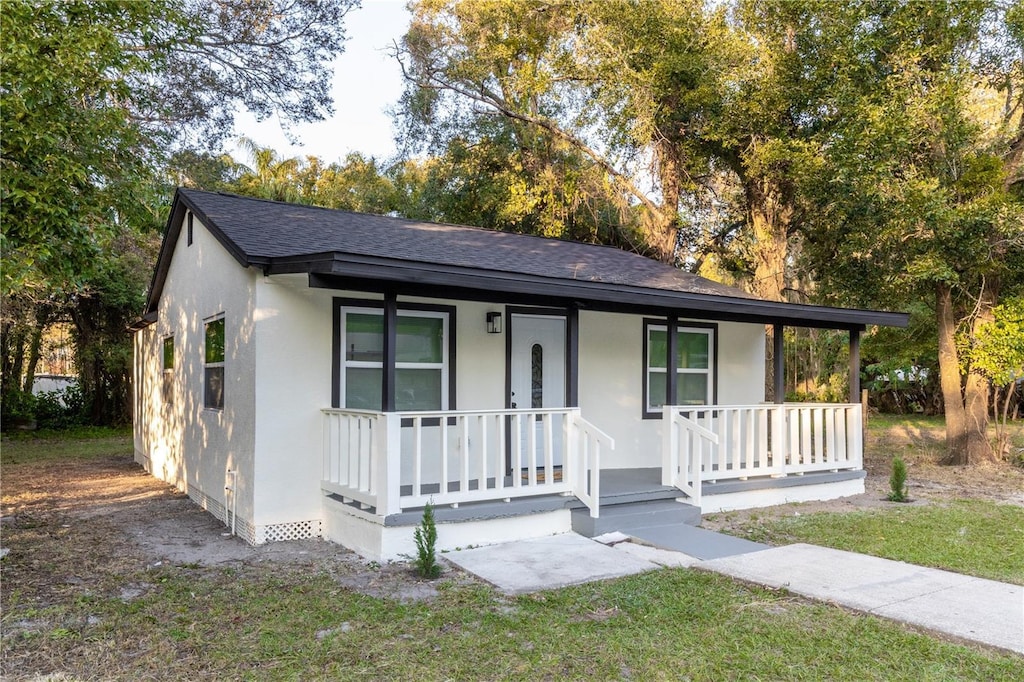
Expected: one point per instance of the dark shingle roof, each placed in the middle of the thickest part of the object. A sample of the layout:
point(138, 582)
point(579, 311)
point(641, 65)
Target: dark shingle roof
point(273, 230)
point(341, 249)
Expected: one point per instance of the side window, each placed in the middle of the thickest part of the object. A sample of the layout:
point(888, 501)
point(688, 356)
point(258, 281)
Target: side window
point(168, 370)
point(213, 365)
point(421, 359)
point(693, 365)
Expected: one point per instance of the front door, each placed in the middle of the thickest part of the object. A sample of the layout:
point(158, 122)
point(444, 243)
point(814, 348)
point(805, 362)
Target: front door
point(537, 373)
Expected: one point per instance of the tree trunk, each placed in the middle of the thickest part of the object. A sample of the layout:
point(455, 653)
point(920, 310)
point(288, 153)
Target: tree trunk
point(665, 232)
point(769, 213)
point(949, 377)
point(976, 394)
point(35, 345)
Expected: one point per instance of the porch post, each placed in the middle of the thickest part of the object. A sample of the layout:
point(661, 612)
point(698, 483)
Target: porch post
point(572, 357)
point(670, 361)
point(778, 364)
point(390, 342)
point(855, 365)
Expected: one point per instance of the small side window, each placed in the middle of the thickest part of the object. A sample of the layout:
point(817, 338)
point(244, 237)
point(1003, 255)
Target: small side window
point(213, 365)
point(168, 370)
point(190, 229)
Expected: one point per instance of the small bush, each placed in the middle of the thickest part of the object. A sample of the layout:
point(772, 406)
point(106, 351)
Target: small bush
point(62, 409)
point(17, 408)
point(425, 536)
point(898, 481)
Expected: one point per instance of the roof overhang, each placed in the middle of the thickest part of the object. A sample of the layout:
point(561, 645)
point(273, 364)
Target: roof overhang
point(345, 271)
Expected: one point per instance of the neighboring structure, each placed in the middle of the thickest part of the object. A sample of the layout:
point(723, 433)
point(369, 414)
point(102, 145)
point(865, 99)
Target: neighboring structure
point(303, 372)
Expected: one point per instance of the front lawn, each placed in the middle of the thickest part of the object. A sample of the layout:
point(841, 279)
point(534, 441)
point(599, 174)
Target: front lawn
point(83, 598)
point(983, 538)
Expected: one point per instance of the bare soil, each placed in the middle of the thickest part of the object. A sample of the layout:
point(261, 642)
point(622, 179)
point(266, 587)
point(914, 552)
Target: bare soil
point(76, 528)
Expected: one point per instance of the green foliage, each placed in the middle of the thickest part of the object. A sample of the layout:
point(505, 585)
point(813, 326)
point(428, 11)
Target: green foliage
point(898, 481)
point(17, 408)
point(997, 347)
point(425, 537)
point(96, 96)
point(62, 409)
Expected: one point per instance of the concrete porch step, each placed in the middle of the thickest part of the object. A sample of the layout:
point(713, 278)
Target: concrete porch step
point(632, 515)
point(699, 543)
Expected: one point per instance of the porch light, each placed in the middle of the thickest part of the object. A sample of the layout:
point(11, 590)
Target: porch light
point(493, 323)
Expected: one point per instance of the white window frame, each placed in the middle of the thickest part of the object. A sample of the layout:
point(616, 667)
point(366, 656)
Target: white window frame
point(709, 371)
point(345, 363)
point(167, 373)
point(212, 365)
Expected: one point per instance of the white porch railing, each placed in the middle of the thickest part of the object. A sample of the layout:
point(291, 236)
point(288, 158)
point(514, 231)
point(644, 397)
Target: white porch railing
point(716, 442)
point(398, 460)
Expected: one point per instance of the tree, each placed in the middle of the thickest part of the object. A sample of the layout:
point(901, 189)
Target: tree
point(996, 351)
point(95, 96)
point(919, 197)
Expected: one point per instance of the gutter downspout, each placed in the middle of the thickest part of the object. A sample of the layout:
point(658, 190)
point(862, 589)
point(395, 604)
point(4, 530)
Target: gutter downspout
point(234, 496)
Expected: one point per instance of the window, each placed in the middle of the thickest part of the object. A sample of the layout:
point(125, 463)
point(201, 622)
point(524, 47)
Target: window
point(168, 367)
point(421, 359)
point(190, 221)
point(693, 365)
point(213, 370)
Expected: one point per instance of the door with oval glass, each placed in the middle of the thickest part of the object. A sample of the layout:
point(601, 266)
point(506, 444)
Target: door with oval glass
point(537, 380)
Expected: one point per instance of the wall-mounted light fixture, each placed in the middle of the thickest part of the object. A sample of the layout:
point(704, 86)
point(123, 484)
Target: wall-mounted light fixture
point(493, 323)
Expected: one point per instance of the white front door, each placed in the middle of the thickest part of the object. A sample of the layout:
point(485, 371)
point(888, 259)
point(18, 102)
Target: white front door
point(538, 364)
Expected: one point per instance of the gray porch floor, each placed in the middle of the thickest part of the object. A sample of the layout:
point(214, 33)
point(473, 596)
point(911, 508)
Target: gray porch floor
point(620, 488)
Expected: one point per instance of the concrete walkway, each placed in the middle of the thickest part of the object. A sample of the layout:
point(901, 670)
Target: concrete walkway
point(964, 607)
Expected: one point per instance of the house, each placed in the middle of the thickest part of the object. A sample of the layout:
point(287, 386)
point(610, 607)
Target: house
point(303, 372)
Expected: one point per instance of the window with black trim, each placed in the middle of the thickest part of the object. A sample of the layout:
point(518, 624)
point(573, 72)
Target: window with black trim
point(694, 366)
point(213, 364)
point(168, 369)
point(421, 359)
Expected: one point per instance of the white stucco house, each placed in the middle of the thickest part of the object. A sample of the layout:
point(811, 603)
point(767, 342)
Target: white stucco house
point(303, 372)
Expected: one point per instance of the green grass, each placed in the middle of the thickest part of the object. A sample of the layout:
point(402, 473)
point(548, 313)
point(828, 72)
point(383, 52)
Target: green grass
point(276, 621)
point(80, 443)
point(669, 624)
point(977, 537)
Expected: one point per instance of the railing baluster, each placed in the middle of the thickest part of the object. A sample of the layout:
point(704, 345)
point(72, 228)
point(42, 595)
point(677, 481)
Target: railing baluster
point(819, 435)
point(464, 453)
point(443, 436)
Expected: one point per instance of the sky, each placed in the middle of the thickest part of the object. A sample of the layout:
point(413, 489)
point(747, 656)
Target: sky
point(366, 82)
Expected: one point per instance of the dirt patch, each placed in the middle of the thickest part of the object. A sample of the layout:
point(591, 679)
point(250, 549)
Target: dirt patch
point(75, 528)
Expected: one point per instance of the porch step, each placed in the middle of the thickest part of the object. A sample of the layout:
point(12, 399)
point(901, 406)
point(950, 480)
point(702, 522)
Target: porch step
point(699, 543)
point(633, 515)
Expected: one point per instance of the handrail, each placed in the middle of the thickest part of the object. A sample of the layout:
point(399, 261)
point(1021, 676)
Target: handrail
point(397, 460)
point(587, 464)
point(758, 440)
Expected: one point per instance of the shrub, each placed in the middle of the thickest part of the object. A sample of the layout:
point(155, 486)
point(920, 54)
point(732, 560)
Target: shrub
point(425, 536)
point(17, 408)
point(898, 481)
point(61, 409)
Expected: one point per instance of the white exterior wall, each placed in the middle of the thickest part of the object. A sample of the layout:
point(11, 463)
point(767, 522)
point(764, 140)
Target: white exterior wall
point(612, 374)
point(179, 441)
point(293, 383)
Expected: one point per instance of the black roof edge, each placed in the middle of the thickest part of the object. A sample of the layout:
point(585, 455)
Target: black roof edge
point(143, 322)
point(450, 281)
point(172, 230)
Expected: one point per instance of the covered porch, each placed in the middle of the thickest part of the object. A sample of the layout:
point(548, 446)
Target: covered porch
point(385, 464)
